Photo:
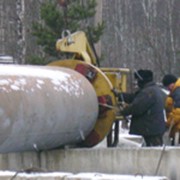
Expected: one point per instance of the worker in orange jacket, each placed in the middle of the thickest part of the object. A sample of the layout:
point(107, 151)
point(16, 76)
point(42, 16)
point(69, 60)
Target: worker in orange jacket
point(172, 83)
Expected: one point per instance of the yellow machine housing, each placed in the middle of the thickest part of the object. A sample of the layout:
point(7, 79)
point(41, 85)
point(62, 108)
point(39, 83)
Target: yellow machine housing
point(105, 81)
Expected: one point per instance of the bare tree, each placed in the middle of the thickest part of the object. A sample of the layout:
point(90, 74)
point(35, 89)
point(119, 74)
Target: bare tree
point(143, 34)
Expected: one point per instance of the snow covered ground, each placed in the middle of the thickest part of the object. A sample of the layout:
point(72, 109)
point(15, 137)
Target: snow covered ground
point(125, 139)
point(4, 175)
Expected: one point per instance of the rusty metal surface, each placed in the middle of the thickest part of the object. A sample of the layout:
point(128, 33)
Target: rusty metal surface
point(44, 107)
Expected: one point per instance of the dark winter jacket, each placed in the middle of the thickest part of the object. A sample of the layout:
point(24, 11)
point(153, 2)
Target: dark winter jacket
point(147, 110)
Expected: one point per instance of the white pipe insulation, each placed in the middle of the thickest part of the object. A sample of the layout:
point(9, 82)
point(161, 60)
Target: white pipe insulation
point(44, 107)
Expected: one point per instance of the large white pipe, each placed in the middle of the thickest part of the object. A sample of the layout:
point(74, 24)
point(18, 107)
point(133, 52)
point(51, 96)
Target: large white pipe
point(43, 107)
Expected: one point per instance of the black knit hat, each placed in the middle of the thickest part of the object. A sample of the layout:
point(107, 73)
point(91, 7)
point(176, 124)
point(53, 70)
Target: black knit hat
point(168, 79)
point(143, 75)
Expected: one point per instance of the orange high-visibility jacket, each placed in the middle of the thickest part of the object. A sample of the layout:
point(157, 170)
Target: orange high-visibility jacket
point(173, 111)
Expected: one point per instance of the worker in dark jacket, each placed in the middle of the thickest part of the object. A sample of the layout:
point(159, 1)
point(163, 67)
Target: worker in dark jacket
point(147, 109)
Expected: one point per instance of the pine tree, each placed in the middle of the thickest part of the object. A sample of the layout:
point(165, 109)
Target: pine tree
point(73, 15)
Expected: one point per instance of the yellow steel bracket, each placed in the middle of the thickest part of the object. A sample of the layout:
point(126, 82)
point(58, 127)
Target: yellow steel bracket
point(76, 43)
point(118, 78)
point(104, 81)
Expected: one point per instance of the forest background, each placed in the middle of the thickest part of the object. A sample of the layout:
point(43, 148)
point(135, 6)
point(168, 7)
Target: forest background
point(138, 33)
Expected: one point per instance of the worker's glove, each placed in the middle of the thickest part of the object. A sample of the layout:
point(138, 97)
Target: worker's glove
point(122, 105)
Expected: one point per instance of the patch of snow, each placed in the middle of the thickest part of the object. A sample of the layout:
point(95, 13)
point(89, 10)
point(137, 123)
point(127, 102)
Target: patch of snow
point(99, 176)
point(80, 176)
